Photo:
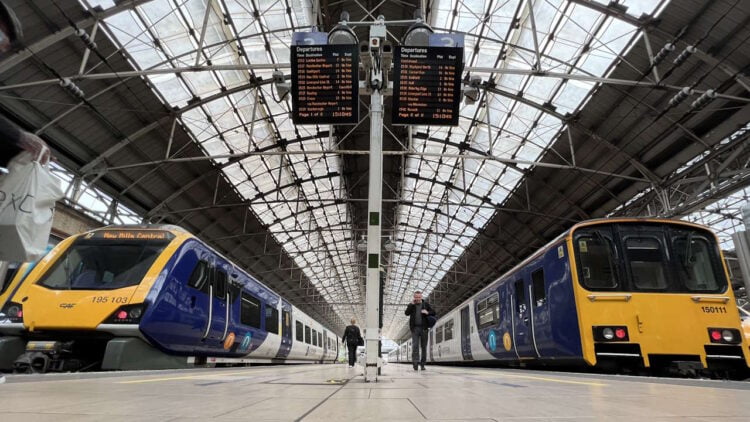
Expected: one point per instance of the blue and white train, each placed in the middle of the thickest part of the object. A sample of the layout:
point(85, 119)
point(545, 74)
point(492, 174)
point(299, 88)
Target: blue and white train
point(140, 297)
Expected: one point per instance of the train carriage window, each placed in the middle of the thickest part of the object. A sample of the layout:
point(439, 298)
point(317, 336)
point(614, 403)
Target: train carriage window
point(307, 334)
point(448, 331)
point(596, 261)
point(250, 311)
point(439, 334)
point(488, 311)
point(286, 321)
point(540, 292)
point(300, 331)
point(320, 339)
point(272, 319)
point(314, 337)
point(696, 268)
point(520, 296)
point(645, 257)
point(220, 284)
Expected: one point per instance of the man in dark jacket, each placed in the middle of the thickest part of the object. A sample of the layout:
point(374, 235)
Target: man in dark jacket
point(351, 339)
point(418, 311)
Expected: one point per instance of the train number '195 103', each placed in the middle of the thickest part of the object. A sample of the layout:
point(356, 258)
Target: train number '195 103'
point(108, 299)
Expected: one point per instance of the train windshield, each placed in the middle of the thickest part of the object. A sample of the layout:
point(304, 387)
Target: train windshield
point(648, 257)
point(98, 264)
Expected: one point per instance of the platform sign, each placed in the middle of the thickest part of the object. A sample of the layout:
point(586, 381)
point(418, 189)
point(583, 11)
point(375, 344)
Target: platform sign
point(325, 86)
point(427, 85)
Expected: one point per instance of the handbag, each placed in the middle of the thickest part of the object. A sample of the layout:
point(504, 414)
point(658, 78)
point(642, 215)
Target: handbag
point(431, 321)
point(28, 194)
point(360, 341)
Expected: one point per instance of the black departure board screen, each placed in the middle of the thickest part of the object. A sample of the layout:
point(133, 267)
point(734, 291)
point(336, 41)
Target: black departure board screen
point(325, 84)
point(427, 85)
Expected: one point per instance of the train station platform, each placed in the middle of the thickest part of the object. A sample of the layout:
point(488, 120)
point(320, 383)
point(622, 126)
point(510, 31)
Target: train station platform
point(335, 392)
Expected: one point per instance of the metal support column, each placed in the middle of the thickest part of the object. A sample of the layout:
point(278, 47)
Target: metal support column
point(374, 220)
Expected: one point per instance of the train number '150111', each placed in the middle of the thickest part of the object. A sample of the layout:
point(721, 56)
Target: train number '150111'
point(714, 309)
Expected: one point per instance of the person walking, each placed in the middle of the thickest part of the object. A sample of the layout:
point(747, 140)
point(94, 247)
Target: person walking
point(352, 338)
point(418, 311)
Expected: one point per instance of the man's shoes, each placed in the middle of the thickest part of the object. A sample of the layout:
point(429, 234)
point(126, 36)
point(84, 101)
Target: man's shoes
point(423, 368)
point(415, 367)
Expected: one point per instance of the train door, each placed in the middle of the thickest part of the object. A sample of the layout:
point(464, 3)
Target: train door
point(201, 299)
point(466, 334)
point(219, 304)
point(539, 309)
point(523, 334)
point(286, 330)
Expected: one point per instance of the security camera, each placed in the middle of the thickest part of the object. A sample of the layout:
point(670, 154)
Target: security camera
point(282, 87)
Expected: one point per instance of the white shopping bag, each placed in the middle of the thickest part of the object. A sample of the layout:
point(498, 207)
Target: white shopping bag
point(27, 204)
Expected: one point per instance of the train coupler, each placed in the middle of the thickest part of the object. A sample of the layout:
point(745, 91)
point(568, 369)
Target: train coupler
point(46, 356)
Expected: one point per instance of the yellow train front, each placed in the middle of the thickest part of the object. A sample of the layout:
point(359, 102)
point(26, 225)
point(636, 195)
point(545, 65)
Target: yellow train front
point(655, 293)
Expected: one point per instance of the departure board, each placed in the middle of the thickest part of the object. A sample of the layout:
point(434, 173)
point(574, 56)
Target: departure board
point(427, 85)
point(325, 84)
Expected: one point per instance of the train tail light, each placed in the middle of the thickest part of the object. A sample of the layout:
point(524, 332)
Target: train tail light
point(610, 333)
point(127, 314)
point(724, 335)
point(13, 312)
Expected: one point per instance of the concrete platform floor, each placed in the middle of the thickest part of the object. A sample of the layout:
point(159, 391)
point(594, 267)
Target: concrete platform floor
point(337, 393)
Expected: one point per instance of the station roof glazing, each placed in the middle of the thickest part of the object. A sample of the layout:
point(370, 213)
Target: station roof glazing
point(453, 180)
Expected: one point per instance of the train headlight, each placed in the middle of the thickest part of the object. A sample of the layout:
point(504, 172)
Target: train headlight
point(135, 313)
point(13, 312)
point(127, 314)
point(724, 335)
point(610, 333)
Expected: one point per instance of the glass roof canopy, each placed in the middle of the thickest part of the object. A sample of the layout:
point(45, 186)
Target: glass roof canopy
point(448, 199)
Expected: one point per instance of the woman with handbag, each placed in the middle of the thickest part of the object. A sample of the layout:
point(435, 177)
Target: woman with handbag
point(352, 338)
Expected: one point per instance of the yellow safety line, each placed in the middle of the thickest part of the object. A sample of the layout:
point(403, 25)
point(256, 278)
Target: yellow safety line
point(187, 377)
point(598, 384)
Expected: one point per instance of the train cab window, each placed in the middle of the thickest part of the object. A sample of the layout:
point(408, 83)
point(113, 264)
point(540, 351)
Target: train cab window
point(314, 338)
point(272, 319)
point(540, 293)
point(448, 331)
point(439, 334)
point(102, 264)
point(300, 331)
point(646, 261)
point(250, 311)
point(307, 334)
point(596, 261)
point(9, 275)
point(220, 284)
point(488, 311)
point(696, 267)
point(520, 296)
